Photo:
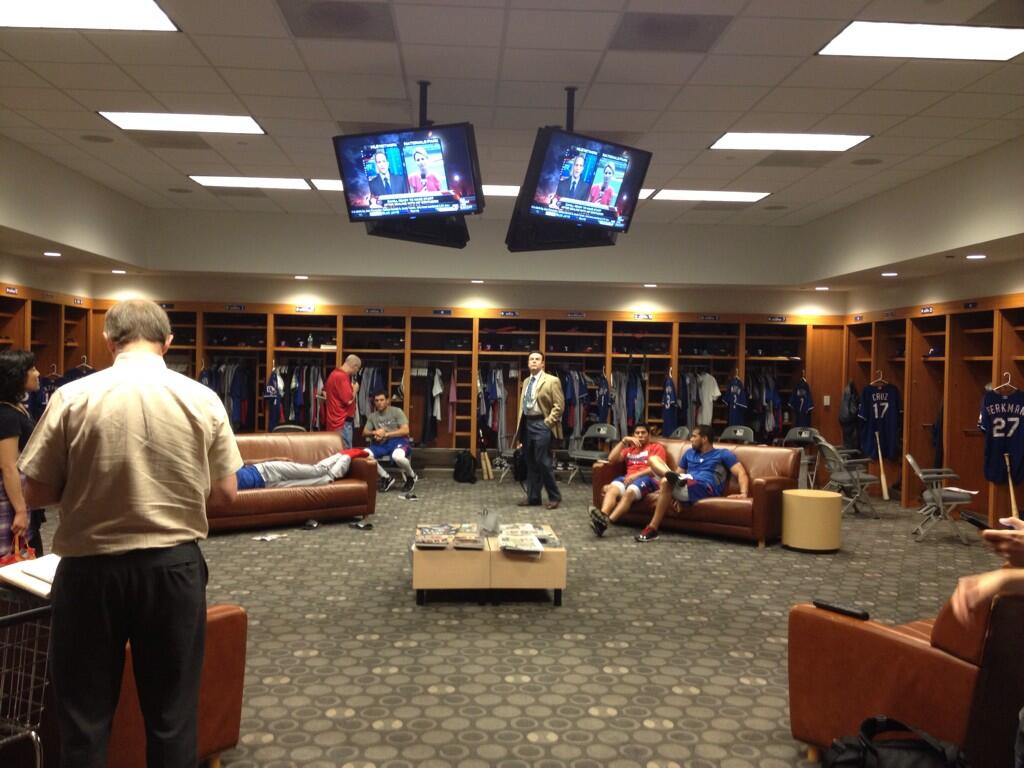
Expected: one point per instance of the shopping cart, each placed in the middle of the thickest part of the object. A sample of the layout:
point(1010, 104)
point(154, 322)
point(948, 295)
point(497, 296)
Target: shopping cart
point(24, 636)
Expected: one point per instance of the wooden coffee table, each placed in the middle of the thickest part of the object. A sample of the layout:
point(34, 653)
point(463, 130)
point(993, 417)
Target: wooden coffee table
point(487, 568)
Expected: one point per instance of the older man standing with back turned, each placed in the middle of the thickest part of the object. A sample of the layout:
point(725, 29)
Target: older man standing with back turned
point(133, 454)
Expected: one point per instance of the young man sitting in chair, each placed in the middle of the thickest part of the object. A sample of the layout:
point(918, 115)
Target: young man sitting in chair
point(387, 436)
point(703, 473)
point(638, 481)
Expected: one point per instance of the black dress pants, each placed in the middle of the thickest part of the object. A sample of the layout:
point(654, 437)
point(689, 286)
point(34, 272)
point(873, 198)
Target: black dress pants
point(538, 461)
point(155, 599)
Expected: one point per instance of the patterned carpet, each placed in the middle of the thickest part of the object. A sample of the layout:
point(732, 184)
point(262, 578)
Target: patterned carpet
point(671, 653)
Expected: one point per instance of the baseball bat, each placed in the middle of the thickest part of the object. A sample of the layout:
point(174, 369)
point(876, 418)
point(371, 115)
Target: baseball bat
point(1009, 481)
point(485, 465)
point(881, 469)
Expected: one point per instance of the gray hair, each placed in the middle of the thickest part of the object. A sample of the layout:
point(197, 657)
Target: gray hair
point(136, 320)
point(352, 361)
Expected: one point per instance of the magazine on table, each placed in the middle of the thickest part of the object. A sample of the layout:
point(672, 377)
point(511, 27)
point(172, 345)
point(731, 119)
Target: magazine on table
point(434, 535)
point(468, 537)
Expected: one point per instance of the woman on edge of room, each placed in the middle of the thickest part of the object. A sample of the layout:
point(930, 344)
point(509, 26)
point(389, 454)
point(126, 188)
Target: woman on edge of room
point(18, 377)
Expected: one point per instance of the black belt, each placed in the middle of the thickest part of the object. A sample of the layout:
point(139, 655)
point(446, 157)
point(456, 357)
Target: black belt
point(533, 418)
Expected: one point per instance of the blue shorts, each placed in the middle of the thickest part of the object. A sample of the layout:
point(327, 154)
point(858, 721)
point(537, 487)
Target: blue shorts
point(645, 484)
point(693, 491)
point(249, 478)
point(389, 446)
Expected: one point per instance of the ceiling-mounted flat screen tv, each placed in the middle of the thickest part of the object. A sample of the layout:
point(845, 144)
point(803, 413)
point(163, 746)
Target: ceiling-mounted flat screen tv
point(410, 173)
point(583, 180)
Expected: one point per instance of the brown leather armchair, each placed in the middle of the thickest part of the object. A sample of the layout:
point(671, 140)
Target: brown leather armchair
point(757, 518)
point(960, 684)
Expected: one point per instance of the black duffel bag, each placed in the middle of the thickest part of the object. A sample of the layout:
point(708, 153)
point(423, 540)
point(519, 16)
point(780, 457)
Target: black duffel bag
point(519, 469)
point(914, 749)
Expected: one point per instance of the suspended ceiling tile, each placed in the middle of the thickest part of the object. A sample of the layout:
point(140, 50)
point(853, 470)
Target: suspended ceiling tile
point(351, 56)
point(997, 129)
point(557, 30)
point(778, 37)
point(15, 75)
point(86, 76)
point(80, 120)
point(840, 72)
point(429, 61)
point(879, 102)
point(35, 137)
point(935, 74)
point(895, 145)
point(796, 100)
point(730, 7)
point(513, 117)
point(282, 127)
point(627, 97)
point(273, 82)
point(443, 25)
point(178, 79)
point(934, 127)
point(691, 33)
point(719, 122)
point(561, 67)
point(36, 98)
point(258, 18)
point(396, 112)
point(784, 122)
point(744, 70)
point(815, 9)
point(718, 98)
point(571, 5)
point(1008, 79)
point(56, 45)
point(458, 113)
point(250, 52)
point(333, 85)
point(599, 120)
point(923, 11)
point(286, 106)
point(977, 105)
point(117, 101)
point(642, 68)
point(520, 94)
point(159, 48)
point(963, 147)
point(857, 124)
point(202, 103)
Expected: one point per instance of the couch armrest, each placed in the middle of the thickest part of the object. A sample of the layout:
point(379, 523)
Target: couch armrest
point(604, 472)
point(766, 513)
point(843, 670)
point(366, 470)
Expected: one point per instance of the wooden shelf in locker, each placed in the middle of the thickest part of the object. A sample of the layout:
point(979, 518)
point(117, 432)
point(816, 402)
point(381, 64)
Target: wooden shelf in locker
point(977, 331)
point(639, 356)
point(183, 346)
point(251, 327)
point(928, 334)
point(708, 336)
point(417, 352)
point(305, 350)
point(708, 357)
point(977, 359)
point(236, 349)
point(934, 359)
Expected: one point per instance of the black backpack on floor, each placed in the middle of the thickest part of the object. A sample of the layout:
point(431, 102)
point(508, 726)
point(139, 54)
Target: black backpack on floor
point(465, 468)
point(914, 749)
point(519, 469)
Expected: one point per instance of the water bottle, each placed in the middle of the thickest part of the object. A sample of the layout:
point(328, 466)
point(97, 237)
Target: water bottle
point(309, 341)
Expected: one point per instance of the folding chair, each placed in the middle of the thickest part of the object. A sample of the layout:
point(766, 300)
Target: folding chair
point(583, 457)
point(847, 475)
point(938, 500)
point(803, 437)
point(288, 428)
point(738, 434)
point(680, 433)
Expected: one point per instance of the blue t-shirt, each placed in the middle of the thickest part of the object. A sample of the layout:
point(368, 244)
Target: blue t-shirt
point(711, 468)
point(249, 478)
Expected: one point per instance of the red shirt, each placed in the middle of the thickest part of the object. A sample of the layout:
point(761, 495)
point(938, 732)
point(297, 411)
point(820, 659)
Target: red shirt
point(602, 196)
point(429, 184)
point(341, 403)
point(636, 458)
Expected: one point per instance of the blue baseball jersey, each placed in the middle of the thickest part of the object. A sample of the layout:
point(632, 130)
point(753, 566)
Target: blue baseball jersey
point(1000, 420)
point(670, 405)
point(801, 403)
point(710, 468)
point(880, 411)
point(735, 397)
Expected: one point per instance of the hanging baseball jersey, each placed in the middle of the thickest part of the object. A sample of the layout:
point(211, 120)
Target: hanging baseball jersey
point(801, 403)
point(709, 392)
point(880, 413)
point(735, 397)
point(1000, 420)
point(669, 408)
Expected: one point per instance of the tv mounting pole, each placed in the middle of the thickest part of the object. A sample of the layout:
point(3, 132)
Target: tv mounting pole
point(424, 85)
point(570, 107)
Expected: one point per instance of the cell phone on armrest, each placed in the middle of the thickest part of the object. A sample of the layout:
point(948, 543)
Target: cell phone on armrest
point(855, 613)
point(976, 520)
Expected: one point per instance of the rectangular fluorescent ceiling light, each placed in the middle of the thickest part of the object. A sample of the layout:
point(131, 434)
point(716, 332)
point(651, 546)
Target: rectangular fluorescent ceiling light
point(164, 121)
point(645, 193)
point(926, 41)
point(328, 185)
point(86, 14)
point(250, 182)
point(715, 196)
point(501, 190)
point(797, 142)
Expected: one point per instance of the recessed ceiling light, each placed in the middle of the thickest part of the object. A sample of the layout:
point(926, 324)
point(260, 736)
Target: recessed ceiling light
point(328, 185)
point(976, 256)
point(118, 272)
point(650, 285)
point(501, 190)
point(477, 282)
point(645, 193)
point(926, 41)
point(710, 195)
point(54, 254)
point(250, 182)
point(169, 121)
point(821, 287)
point(890, 274)
point(795, 142)
point(75, 14)
point(302, 277)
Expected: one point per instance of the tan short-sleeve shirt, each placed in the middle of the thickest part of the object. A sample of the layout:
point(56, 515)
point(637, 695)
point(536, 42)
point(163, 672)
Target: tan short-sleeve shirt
point(134, 448)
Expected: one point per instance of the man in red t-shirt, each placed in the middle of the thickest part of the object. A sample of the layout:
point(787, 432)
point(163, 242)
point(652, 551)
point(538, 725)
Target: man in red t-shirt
point(637, 482)
point(341, 398)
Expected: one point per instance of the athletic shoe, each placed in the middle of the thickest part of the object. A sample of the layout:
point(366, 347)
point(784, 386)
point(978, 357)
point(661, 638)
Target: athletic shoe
point(647, 534)
point(673, 479)
point(387, 483)
point(598, 522)
point(410, 483)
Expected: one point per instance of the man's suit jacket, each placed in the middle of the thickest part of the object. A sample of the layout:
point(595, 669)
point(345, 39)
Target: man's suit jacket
point(550, 400)
point(398, 185)
point(580, 193)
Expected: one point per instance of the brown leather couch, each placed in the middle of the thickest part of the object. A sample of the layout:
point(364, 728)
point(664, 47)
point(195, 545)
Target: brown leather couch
point(220, 702)
point(960, 684)
point(756, 519)
point(355, 495)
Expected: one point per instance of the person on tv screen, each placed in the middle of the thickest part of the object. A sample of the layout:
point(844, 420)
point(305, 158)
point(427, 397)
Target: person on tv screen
point(602, 193)
point(384, 183)
point(422, 180)
point(573, 186)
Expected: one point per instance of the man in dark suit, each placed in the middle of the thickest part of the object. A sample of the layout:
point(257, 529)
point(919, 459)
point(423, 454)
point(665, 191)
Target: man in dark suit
point(573, 187)
point(384, 183)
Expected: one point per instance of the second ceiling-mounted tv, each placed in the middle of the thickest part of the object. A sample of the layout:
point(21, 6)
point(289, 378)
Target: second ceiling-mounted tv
point(583, 180)
point(410, 173)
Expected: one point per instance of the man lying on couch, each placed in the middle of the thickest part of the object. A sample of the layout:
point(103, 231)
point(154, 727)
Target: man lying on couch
point(293, 474)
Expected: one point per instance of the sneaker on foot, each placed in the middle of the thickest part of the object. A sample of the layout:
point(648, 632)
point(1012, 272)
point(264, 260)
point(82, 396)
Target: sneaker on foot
point(673, 479)
point(410, 483)
point(598, 522)
point(387, 483)
point(647, 534)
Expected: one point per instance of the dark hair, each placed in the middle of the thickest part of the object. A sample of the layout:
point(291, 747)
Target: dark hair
point(536, 352)
point(378, 392)
point(609, 165)
point(706, 431)
point(641, 425)
point(14, 367)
